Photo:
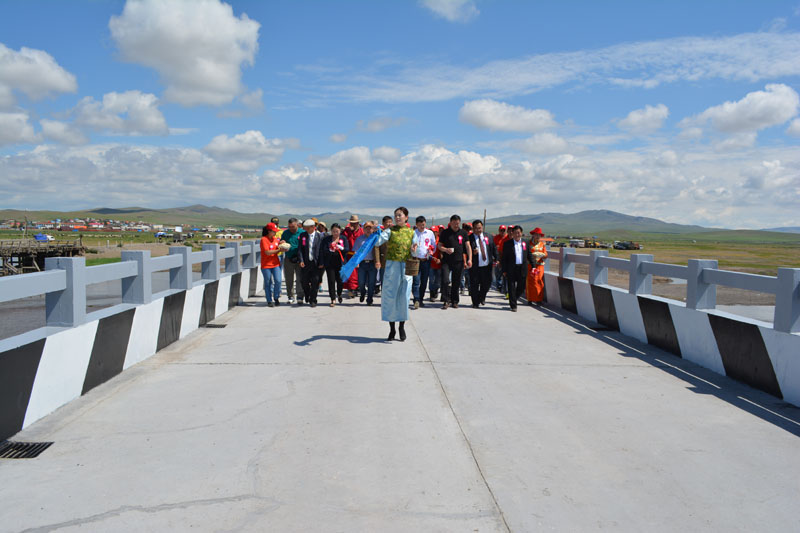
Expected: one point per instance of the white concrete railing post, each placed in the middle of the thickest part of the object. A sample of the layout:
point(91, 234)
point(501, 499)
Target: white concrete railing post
point(138, 289)
point(181, 278)
point(210, 269)
point(638, 281)
point(787, 301)
point(67, 307)
point(250, 259)
point(598, 275)
point(700, 295)
point(233, 264)
point(566, 268)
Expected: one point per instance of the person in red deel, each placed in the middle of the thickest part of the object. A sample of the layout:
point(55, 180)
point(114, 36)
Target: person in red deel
point(351, 233)
point(534, 283)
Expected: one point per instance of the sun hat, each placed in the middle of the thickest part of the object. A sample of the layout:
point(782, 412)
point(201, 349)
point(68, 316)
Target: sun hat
point(537, 231)
point(272, 227)
point(353, 218)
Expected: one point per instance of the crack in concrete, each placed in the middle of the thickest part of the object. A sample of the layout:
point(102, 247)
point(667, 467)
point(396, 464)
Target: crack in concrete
point(461, 429)
point(148, 509)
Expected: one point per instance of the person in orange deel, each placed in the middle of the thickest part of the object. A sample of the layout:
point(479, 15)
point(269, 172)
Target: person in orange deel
point(534, 283)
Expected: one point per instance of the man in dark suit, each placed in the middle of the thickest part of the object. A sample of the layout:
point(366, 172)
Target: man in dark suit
point(308, 248)
point(516, 257)
point(484, 257)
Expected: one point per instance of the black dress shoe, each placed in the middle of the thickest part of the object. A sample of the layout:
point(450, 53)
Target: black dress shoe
point(391, 336)
point(277, 303)
point(340, 299)
point(402, 335)
point(313, 304)
point(513, 309)
point(455, 306)
point(444, 305)
point(361, 298)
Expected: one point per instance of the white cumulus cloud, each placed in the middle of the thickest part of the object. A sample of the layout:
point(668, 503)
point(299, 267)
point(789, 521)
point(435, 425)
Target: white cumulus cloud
point(452, 10)
point(32, 72)
point(128, 113)
point(338, 138)
point(794, 128)
point(198, 47)
point(62, 132)
point(248, 150)
point(646, 120)
point(352, 158)
point(15, 128)
point(543, 143)
point(499, 116)
point(757, 110)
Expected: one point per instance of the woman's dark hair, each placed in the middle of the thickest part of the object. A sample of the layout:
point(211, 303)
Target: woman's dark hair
point(335, 225)
point(264, 231)
point(403, 209)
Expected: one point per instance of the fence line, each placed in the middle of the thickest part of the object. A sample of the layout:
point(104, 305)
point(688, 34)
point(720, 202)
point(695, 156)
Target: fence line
point(65, 279)
point(702, 277)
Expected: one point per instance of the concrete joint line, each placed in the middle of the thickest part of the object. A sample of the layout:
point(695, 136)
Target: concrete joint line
point(461, 429)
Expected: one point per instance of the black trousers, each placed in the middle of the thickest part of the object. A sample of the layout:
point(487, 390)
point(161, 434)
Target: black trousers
point(480, 279)
point(334, 282)
point(310, 281)
point(516, 284)
point(451, 282)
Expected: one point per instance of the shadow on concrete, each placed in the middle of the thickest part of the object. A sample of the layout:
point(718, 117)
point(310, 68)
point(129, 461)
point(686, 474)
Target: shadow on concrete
point(702, 380)
point(349, 338)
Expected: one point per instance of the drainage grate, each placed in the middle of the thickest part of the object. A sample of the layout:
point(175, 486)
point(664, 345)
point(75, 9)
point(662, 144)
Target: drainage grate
point(213, 325)
point(22, 450)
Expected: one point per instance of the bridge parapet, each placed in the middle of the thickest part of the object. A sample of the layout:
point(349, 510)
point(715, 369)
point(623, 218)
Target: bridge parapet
point(45, 368)
point(763, 355)
point(701, 275)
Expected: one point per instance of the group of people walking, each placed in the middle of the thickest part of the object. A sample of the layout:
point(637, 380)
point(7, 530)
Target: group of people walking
point(442, 257)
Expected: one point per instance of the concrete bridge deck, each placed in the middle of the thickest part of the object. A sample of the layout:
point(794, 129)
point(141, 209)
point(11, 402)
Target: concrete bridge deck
point(300, 419)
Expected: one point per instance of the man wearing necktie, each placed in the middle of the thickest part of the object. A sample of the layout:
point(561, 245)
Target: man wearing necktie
point(516, 258)
point(309, 251)
point(484, 257)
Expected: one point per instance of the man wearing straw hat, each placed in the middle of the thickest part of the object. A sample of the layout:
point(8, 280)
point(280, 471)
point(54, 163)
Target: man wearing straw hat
point(351, 233)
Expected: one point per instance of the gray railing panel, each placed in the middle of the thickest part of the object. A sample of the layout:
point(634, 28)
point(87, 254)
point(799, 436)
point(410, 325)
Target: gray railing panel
point(202, 257)
point(665, 269)
point(112, 272)
point(580, 259)
point(615, 263)
point(16, 287)
point(166, 262)
point(740, 280)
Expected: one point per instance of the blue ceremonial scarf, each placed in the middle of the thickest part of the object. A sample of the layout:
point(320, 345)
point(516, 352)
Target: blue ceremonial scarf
point(369, 244)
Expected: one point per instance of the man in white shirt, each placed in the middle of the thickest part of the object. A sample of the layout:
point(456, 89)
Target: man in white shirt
point(484, 257)
point(516, 257)
point(426, 245)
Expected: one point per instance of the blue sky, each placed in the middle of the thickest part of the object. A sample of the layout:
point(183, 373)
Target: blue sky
point(684, 111)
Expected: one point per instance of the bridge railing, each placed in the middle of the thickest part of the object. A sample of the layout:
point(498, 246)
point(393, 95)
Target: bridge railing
point(65, 279)
point(702, 277)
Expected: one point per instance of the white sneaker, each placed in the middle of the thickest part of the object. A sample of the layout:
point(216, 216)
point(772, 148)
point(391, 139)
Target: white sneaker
point(292, 301)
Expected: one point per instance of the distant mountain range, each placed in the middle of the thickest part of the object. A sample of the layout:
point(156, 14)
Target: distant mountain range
point(602, 222)
point(787, 229)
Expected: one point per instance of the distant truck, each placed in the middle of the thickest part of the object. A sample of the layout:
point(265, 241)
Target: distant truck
point(627, 245)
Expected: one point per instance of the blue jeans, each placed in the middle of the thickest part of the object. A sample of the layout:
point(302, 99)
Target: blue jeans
point(272, 283)
point(367, 274)
point(436, 280)
point(421, 280)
